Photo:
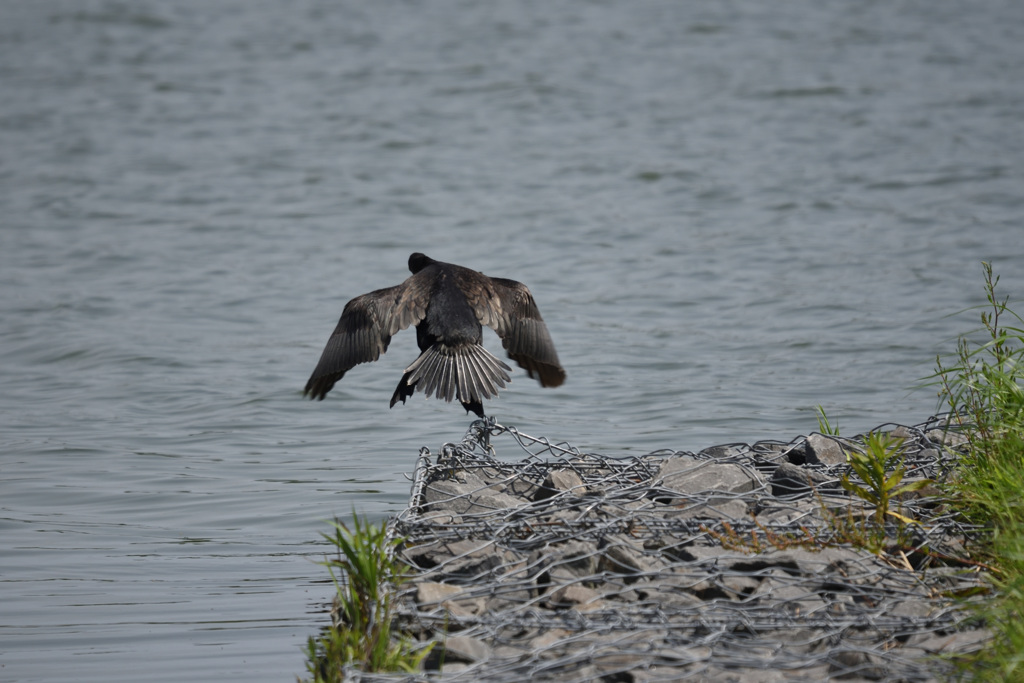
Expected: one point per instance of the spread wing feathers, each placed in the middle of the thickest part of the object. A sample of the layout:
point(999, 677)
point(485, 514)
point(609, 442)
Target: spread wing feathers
point(507, 307)
point(364, 332)
point(467, 372)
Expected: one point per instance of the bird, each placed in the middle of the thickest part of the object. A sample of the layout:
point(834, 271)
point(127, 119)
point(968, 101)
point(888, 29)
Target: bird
point(448, 305)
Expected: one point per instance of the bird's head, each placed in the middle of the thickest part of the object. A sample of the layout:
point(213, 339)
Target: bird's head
point(418, 262)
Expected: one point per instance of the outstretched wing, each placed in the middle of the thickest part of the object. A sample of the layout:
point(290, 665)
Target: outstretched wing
point(507, 307)
point(364, 332)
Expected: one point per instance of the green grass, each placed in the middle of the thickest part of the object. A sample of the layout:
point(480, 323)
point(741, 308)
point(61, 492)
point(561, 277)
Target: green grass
point(363, 637)
point(825, 425)
point(982, 385)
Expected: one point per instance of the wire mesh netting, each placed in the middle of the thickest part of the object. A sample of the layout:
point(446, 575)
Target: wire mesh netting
point(739, 562)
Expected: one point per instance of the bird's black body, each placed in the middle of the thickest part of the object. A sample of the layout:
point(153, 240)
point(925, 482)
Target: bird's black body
point(449, 305)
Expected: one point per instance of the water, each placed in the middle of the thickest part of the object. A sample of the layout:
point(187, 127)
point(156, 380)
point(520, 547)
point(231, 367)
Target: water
point(729, 213)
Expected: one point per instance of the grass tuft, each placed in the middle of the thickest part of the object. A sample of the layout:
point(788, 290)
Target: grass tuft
point(362, 636)
point(825, 425)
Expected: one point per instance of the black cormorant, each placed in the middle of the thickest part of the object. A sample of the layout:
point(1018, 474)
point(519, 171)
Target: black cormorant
point(448, 304)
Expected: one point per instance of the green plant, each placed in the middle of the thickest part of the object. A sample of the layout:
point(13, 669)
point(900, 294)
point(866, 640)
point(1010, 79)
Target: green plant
point(881, 474)
point(983, 388)
point(362, 636)
point(824, 424)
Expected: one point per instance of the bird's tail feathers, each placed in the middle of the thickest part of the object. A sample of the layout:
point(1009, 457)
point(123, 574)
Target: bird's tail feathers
point(469, 373)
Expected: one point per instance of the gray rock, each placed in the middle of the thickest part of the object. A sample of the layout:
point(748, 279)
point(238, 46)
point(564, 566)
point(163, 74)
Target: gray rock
point(565, 562)
point(804, 511)
point(902, 432)
point(825, 449)
point(454, 599)
point(667, 592)
point(728, 509)
point(772, 453)
point(740, 587)
point(945, 437)
point(622, 557)
point(688, 476)
point(558, 481)
point(460, 559)
point(722, 452)
point(574, 596)
point(548, 638)
point(848, 664)
point(465, 498)
point(793, 481)
point(432, 592)
point(462, 649)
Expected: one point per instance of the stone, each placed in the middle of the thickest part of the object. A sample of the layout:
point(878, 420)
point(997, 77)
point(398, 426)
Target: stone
point(441, 518)
point(728, 509)
point(848, 664)
point(953, 439)
point(722, 452)
point(461, 649)
point(577, 597)
point(792, 481)
point(688, 476)
point(548, 638)
point(459, 559)
point(771, 453)
point(624, 558)
point(740, 587)
point(665, 593)
point(790, 511)
point(946, 643)
point(465, 498)
point(825, 450)
point(558, 481)
point(563, 562)
point(432, 592)
point(902, 432)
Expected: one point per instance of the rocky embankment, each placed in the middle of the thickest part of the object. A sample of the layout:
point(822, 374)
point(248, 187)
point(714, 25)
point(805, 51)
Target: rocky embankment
point(737, 563)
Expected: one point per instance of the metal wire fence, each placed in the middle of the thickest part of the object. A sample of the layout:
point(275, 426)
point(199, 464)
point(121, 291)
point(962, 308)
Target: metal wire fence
point(573, 566)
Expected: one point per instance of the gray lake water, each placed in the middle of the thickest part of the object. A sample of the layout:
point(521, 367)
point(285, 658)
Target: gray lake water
point(729, 213)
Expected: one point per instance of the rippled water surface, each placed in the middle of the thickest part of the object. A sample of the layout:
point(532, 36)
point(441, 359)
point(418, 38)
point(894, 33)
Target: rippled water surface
point(728, 213)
